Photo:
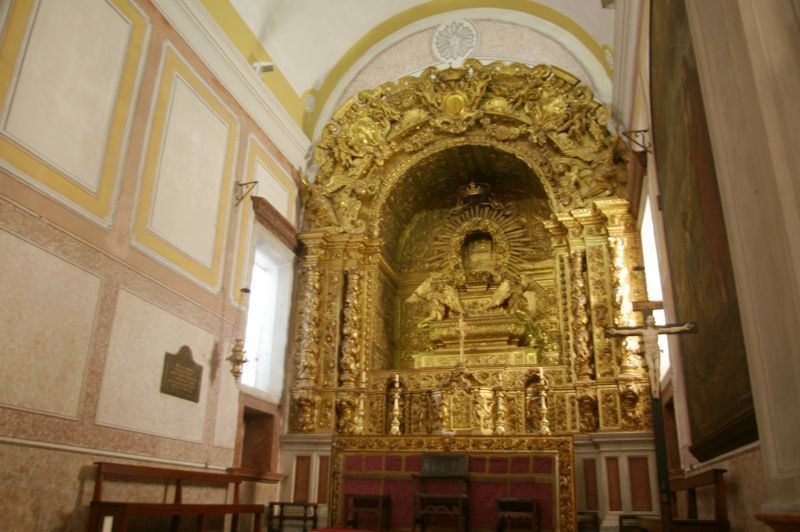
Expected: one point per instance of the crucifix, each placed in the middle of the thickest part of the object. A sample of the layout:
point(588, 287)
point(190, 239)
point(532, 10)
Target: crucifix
point(652, 354)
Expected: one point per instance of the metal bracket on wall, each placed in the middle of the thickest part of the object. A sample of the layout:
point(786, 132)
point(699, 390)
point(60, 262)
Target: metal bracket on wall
point(640, 137)
point(244, 189)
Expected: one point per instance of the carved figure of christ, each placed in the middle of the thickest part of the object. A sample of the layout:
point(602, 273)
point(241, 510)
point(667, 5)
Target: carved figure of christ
point(652, 352)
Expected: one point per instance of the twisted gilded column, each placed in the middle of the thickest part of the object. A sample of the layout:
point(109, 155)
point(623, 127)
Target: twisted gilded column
point(581, 332)
point(305, 358)
point(308, 354)
point(579, 318)
point(350, 359)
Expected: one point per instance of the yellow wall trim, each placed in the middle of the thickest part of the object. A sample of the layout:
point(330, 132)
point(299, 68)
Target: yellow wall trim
point(97, 204)
point(174, 66)
point(229, 21)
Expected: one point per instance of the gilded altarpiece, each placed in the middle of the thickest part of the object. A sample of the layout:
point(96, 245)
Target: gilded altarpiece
point(465, 243)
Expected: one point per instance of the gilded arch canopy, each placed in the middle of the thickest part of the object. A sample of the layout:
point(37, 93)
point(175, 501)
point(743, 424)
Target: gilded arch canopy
point(542, 115)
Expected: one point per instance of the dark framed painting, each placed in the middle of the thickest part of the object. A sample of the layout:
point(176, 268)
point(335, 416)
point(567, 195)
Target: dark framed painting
point(719, 398)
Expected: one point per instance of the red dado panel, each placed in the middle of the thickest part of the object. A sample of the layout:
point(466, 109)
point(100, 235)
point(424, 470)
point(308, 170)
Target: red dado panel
point(491, 475)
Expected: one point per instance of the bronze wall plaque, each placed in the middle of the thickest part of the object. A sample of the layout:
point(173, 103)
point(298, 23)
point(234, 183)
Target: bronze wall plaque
point(182, 375)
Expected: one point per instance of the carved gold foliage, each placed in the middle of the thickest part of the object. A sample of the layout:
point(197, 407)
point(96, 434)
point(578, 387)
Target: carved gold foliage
point(325, 414)
point(516, 412)
point(347, 421)
point(633, 398)
point(610, 413)
point(563, 302)
point(303, 411)
point(385, 315)
point(502, 131)
point(561, 412)
point(588, 411)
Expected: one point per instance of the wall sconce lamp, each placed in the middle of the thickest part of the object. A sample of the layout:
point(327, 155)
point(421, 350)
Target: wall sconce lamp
point(236, 357)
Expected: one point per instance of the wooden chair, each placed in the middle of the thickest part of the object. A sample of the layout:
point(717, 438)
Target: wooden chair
point(378, 507)
point(433, 503)
point(691, 522)
point(513, 509)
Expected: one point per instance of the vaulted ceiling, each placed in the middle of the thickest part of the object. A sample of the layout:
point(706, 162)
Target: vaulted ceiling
point(326, 51)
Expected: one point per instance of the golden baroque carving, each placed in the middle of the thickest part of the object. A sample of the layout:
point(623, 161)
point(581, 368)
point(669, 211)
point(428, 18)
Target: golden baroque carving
point(581, 334)
point(561, 124)
point(325, 414)
point(587, 409)
point(303, 411)
point(610, 413)
point(633, 397)
point(330, 338)
point(347, 415)
point(307, 356)
point(351, 331)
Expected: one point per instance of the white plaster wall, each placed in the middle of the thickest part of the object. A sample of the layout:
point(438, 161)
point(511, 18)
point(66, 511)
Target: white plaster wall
point(227, 409)
point(190, 174)
point(64, 93)
point(46, 323)
point(130, 394)
point(271, 188)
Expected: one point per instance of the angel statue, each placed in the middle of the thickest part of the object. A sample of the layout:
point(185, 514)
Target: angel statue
point(518, 297)
point(441, 300)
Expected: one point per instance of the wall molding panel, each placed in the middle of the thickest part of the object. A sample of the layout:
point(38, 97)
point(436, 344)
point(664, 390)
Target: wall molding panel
point(67, 104)
point(130, 397)
point(205, 37)
point(185, 192)
point(47, 335)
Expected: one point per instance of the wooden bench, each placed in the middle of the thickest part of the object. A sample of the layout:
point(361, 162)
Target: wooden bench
point(120, 511)
point(689, 484)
